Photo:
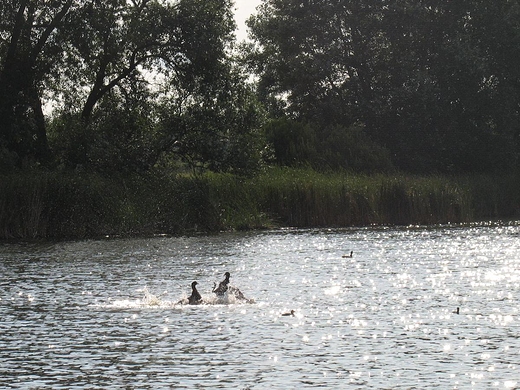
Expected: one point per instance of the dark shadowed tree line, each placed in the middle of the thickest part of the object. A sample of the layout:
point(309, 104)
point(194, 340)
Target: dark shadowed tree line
point(423, 86)
point(130, 83)
point(431, 84)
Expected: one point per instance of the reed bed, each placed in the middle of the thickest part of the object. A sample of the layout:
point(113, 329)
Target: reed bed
point(336, 200)
point(60, 205)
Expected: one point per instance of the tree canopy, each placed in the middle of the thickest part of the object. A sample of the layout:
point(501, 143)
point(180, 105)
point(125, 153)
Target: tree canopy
point(116, 72)
point(421, 86)
point(432, 81)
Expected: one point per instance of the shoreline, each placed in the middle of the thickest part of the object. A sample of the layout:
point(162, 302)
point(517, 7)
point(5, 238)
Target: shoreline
point(79, 206)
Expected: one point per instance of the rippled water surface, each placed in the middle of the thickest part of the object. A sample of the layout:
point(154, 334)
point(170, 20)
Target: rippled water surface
point(104, 314)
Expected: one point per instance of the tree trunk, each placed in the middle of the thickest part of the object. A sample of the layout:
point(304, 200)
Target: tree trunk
point(41, 146)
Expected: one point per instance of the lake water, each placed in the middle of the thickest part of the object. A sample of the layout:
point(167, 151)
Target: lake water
point(101, 314)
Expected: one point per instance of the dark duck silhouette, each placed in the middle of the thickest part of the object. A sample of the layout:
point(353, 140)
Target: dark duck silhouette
point(223, 286)
point(456, 311)
point(290, 314)
point(195, 298)
point(351, 253)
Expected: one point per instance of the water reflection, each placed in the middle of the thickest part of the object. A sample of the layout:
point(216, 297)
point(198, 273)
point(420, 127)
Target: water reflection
point(105, 314)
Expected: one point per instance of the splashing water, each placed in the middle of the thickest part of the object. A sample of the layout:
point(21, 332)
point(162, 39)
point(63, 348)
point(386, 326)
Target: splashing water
point(151, 300)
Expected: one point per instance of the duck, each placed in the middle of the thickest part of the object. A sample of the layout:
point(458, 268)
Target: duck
point(456, 311)
point(239, 295)
point(346, 256)
point(195, 298)
point(291, 313)
point(223, 286)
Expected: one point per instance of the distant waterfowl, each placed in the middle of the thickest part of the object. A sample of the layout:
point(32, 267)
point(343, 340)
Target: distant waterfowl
point(456, 311)
point(223, 286)
point(238, 295)
point(224, 289)
point(291, 313)
point(195, 298)
point(351, 253)
point(236, 292)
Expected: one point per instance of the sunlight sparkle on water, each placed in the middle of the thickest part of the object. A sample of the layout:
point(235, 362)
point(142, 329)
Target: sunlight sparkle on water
point(382, 319)
point(334, 290)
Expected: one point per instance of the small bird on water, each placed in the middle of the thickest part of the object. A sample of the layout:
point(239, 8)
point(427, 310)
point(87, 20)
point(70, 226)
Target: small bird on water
point(223, 286)
point(291, 313)
point(456, 311)
point(195, 298)
point(346, 256)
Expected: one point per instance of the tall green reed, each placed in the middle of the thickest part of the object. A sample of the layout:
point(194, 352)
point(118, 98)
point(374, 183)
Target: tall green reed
point(66, 205)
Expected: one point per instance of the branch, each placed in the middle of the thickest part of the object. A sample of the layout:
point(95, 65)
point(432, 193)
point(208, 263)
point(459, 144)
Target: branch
point(99, 90)
point(51, 27)
point(17, 32)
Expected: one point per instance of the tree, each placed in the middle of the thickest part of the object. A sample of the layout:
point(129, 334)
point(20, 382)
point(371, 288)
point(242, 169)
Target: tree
point(157, 50)
point(421, 75)
point(121, 40)
point(496, 31)
point(27, 48)
point(216, 126)
point(317, 56)
point(105, 65)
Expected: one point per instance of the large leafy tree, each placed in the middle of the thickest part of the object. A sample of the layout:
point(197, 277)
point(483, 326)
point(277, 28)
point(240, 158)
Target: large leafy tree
point(441, 112)
point(110, 68)
point(27, 55)
point(317, 63)
point(129, 40)
point(139, 54)
point(132, 55)
point(315, 56)
point(426, 77)
point(496, 29)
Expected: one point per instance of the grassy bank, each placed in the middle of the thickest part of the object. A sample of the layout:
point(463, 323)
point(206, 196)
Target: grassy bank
point(306, 198)
point(57, 205)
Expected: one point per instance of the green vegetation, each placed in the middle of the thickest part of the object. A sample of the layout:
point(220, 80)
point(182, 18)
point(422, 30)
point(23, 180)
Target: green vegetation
point(422, 87)
point(162, 123)
point(432, 82)
point(51, 205)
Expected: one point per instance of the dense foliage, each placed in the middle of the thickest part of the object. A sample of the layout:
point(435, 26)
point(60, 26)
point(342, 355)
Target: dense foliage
point(433, 81)
point(130, 82)
point(77, 205)
point(423, 86)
